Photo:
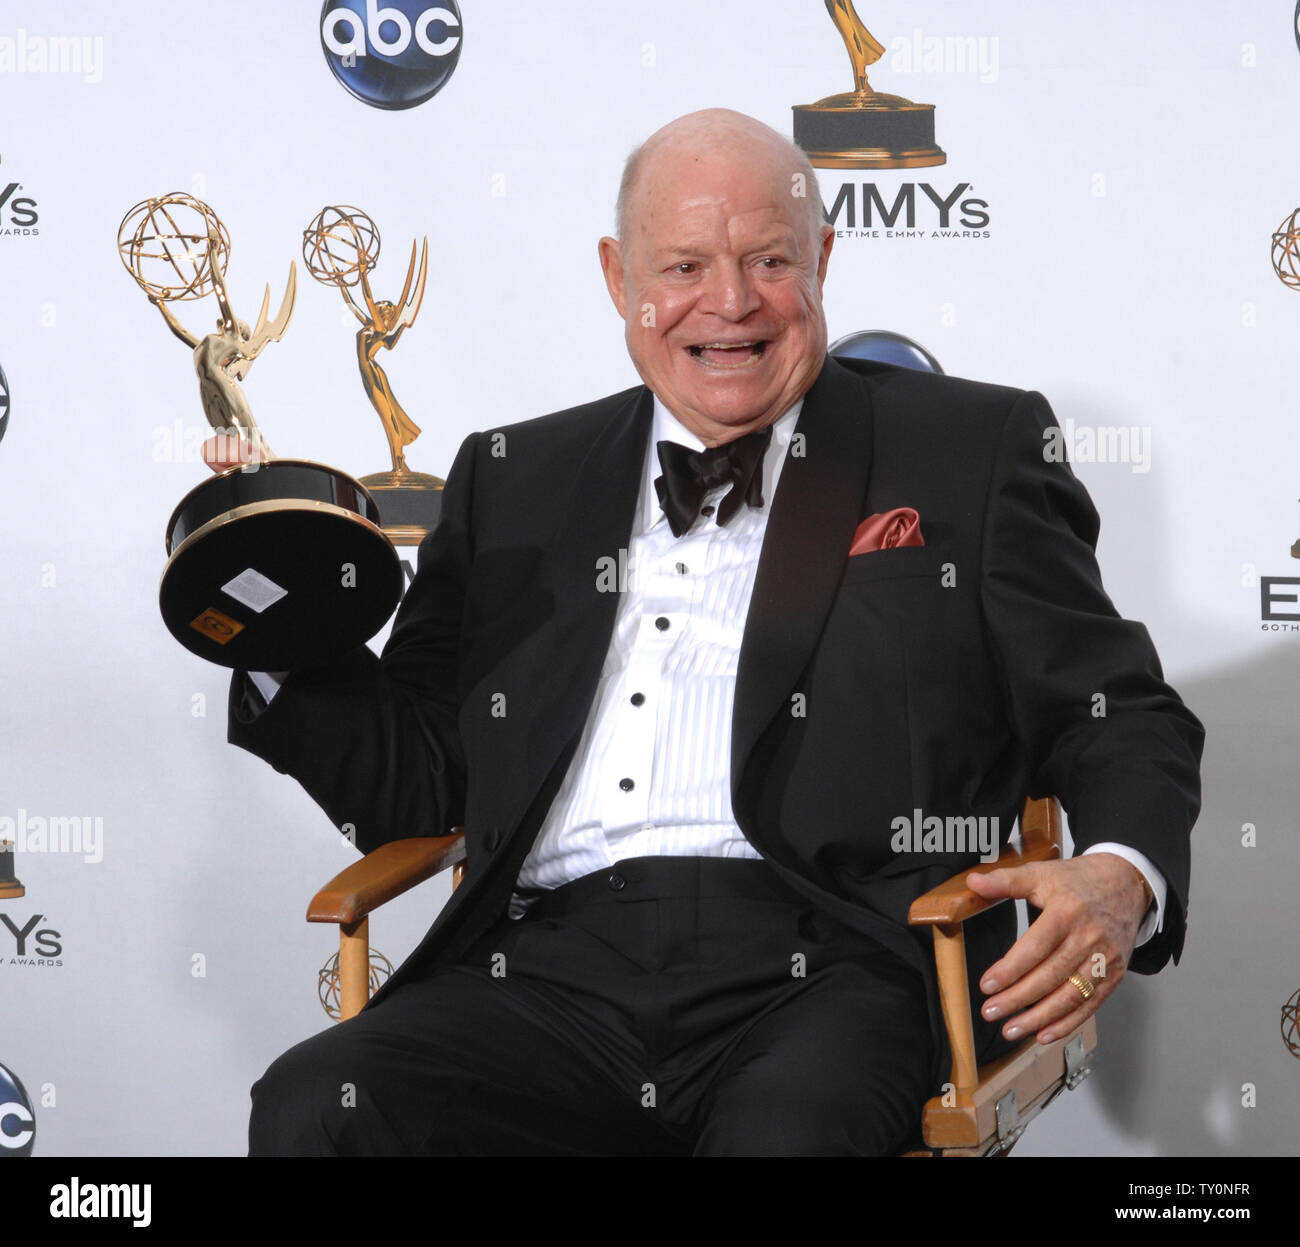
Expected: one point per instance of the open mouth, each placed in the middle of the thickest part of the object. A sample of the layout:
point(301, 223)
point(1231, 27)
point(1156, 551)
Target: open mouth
point(728, 354)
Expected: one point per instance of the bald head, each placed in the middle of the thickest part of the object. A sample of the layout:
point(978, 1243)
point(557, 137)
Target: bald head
point(713, 133)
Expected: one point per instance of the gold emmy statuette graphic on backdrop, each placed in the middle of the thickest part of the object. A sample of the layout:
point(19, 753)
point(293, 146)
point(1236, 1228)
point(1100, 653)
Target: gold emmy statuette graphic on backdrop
point(1286, 264)
point(329, 982)
point(280, 562)
point(10, 888)
point(865, 129)
point(341, 248)
point(1291, 1024)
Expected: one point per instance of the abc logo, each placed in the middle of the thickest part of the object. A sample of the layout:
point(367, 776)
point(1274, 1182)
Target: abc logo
point(393, 55)
point(17, 1123)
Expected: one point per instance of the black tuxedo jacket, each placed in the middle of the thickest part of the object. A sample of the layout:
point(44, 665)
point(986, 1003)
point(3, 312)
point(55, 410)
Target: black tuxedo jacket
point(952, 678)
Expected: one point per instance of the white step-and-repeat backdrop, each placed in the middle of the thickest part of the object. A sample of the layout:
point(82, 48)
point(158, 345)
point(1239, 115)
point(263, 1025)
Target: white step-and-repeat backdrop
point(1102, 231)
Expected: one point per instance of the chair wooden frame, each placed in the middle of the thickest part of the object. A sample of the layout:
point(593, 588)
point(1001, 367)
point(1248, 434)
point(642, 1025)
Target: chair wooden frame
point(983, 1110)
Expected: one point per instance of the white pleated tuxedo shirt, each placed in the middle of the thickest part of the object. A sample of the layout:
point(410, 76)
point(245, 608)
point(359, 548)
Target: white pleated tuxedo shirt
point(652, 772)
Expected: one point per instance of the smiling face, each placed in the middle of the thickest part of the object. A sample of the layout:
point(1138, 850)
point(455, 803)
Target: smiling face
point(718, 275)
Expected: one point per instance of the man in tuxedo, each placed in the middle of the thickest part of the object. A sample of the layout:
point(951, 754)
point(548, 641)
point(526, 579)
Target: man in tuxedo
point(680, 660)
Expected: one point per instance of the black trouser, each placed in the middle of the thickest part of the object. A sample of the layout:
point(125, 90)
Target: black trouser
point(667, 1006)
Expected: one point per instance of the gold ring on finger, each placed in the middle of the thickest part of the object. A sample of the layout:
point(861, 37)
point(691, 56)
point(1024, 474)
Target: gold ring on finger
point(1086, 988)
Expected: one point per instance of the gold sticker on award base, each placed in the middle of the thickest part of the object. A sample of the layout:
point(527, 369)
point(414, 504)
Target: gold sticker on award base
point(216, 626)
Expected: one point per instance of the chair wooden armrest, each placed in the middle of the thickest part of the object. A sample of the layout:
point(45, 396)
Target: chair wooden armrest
point(985, 1110)
point(384, 873)
point(953, 902)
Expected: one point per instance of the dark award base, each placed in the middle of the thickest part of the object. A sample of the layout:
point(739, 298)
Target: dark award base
point(409, 504)
point(870, 131)
point(10, 887)
point(277, 568)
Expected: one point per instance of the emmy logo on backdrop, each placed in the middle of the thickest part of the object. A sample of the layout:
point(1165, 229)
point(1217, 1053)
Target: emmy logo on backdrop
point(4, 404)
point(863, 128)
point(1286, 264)
point(271, 568)
point(329, 981)
point(1291, 1024)
point(341, 248)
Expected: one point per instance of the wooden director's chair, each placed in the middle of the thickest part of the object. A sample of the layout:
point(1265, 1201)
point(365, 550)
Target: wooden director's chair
point(983, 1111)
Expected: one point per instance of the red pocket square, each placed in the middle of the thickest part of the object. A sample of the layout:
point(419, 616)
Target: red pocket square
point(899, 527)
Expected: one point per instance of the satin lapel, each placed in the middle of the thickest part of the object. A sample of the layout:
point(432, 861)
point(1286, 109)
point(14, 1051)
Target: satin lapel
point(598, 508)
point(814, 514)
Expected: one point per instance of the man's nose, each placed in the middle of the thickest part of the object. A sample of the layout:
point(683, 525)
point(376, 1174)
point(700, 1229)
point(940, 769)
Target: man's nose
point(730, 291)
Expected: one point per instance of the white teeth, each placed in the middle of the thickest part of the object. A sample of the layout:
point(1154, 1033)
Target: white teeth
point(756, 349)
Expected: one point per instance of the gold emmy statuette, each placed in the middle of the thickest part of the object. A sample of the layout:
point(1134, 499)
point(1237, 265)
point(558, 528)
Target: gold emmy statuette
point(278, 563)
point(1291, 1024)
point(865, 129)
point(340, 248)
point(1286, 264)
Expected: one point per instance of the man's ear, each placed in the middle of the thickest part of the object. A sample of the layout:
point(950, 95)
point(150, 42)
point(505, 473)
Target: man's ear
point(827, 242)
point(611, 263)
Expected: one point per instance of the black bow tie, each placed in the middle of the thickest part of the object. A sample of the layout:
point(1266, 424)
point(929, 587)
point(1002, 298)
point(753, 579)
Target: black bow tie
point(689, 474)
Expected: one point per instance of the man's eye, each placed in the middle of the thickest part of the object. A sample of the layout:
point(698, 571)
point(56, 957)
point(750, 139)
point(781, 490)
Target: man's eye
point(771, 261)
point(684, 267)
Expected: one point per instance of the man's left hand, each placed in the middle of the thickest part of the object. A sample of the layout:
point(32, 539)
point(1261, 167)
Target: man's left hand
point(1092, 908)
